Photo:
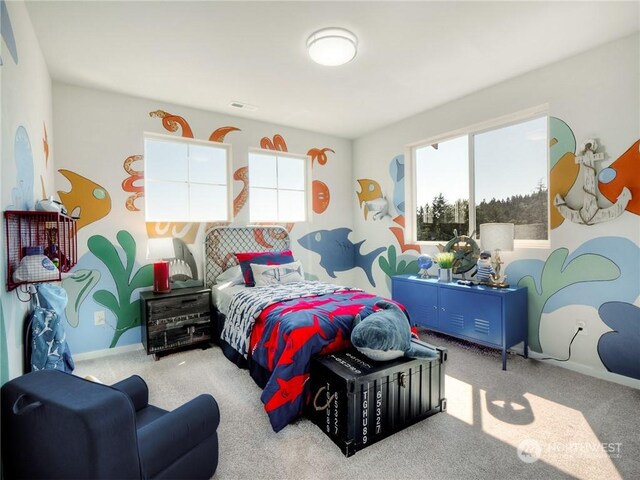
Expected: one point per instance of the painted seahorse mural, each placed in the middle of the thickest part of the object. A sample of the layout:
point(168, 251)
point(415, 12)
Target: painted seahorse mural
point(277, 143)
point(319, 154)
point(621, 174)
point(87, 200)
point(126, 310)
point(600, 270)
point(6, 30)
point(618, 349)
point(338, 253)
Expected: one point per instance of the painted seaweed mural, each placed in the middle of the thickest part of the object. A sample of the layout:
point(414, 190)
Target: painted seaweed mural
point(127, 312)
point(557, 274)
point(618, 349)
point(391, 266)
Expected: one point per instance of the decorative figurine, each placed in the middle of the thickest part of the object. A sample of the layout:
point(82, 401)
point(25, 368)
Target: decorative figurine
point(485, 272)
point(424, 262)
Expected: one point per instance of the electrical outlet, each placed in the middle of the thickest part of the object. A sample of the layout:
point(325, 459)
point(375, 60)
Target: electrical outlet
point(99, 317)
point(582, 325)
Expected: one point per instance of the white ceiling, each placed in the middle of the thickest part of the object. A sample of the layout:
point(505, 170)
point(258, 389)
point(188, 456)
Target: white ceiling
point(412, 55)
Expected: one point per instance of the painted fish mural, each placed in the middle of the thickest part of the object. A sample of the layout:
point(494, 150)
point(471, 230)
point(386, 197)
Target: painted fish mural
point(369, 190)
point(86, 199)
point(338, 253)
point(620, 174)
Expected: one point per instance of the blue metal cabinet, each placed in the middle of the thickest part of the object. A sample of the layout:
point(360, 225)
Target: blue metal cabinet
point(488, 316)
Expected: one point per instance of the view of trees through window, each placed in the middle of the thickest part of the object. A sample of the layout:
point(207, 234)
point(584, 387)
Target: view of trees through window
point(510, 182)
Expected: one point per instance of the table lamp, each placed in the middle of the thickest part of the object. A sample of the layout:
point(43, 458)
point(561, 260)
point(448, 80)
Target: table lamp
point(497, 237)
point(158, 249)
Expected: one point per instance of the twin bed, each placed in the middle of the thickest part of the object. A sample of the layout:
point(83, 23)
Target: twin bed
point(274, 328)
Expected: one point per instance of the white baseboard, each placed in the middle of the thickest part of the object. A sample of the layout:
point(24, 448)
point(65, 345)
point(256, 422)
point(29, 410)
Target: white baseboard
point(107, 352)
point(584, 369)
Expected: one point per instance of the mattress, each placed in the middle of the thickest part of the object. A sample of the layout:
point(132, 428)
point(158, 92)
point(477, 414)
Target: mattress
point(222, 295)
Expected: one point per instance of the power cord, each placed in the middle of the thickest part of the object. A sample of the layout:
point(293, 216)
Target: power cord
point(571, 342)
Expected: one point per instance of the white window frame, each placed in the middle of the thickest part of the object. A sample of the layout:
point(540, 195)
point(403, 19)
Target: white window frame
point(307, 180)
point(475, 129)
point(192, 141)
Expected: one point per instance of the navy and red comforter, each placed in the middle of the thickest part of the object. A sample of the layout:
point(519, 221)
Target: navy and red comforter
point(285, 336)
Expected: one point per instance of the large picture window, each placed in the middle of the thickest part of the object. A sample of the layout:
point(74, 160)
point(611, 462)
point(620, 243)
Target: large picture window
point(494, 174)
point(186, 180)
point(277, 186)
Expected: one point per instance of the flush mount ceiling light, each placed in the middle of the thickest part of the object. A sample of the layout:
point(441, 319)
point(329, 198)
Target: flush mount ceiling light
point(332, 46)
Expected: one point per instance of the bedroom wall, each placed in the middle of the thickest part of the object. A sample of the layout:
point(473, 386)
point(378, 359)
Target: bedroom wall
point(594, 94)
point(99, 141)
point(27, 155)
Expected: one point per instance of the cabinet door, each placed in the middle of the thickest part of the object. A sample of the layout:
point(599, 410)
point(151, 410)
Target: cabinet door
point(472, 315)
point(421, 300)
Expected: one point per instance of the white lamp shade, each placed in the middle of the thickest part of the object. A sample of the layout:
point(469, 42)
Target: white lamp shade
point(160, 248)
point(497, 236)
point(332, 46)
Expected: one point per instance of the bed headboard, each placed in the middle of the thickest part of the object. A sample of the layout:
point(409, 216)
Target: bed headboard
point(221, 243)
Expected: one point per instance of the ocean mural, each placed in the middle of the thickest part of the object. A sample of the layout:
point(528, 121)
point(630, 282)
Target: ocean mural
point(173, 123)
point(78, 285)
point(277, 143)
point(87, 200)
point(396, 170)
point(319, 155)
point(600, 270)
point(45, 146)
point(133, 183)
point(126, 310)
point(370, 190)
point(22, 193)
point(338, 253)
point(623, 174)
point(618, 349)
point(321, 196)
point(6, 30)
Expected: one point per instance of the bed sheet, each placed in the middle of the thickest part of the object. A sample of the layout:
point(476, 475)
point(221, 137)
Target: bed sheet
point(222, 295)
point(287, 333)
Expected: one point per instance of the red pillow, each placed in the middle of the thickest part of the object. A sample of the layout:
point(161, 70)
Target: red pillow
point(245, 259)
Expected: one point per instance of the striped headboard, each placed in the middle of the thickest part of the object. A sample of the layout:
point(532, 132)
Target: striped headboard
point(221, 243)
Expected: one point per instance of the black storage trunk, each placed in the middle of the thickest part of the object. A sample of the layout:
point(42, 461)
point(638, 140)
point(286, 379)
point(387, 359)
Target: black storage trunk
point(357, 401)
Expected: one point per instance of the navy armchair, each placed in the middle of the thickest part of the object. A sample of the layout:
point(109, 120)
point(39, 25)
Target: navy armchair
point(56, 425)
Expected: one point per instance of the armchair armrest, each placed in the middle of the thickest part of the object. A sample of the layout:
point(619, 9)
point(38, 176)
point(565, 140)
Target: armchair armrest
point(136, 389)
point(171, 436)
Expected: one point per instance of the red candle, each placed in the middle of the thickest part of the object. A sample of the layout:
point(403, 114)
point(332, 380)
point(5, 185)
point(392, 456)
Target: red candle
point(161, 276)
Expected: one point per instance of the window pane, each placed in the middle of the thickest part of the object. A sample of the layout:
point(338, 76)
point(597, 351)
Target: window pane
point(291, 206)
point(207, 164)
point(511, 178)
point(165, 160)
point(262, 171)
point(208, 203)
point(166, 201)
point(291, 173)
point(442, 189)
point(263, 205)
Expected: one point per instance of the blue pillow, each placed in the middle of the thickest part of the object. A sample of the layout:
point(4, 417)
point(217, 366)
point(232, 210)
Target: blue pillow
point(245, 259)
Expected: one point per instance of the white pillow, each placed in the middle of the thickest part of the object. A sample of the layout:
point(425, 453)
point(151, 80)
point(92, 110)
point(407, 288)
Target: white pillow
point(231, 275)
point(273, 274)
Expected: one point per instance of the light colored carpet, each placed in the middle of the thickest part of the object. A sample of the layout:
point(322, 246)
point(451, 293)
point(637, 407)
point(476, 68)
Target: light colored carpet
point(490, 412)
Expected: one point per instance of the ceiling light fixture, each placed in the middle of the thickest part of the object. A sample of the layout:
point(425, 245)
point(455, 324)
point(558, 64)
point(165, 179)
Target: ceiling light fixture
point(332, 46)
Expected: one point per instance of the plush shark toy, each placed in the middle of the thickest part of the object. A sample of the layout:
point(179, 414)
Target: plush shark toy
point(386, 334)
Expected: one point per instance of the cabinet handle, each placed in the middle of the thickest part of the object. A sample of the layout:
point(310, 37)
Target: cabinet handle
point(443, 309)
point(435, 307)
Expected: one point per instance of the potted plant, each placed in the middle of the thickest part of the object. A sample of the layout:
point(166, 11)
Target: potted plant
point(445, 263)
